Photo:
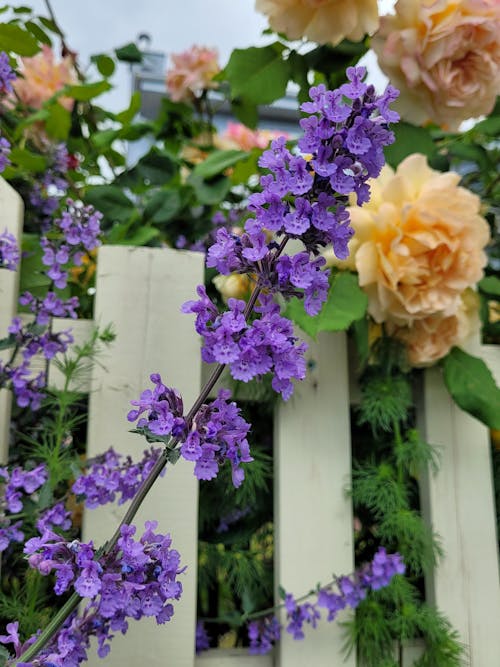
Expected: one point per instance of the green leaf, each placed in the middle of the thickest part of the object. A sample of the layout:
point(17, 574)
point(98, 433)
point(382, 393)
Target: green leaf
point(37, 32)
point(346, 303)
point(58, 122)
point(140, 237)
point(217, 162)
point(163, 206)
point(15, 39)
point(104, 138)
point(472, 386)
point(7, 343)
point(126, 116)
point(111, 201)
point(25, 159)
point(489, 126)
point(490, 285)
point(156, 168)
point(49, 24)
point(104, 64)
point(245, 111)
point(87, 91)
point(210, 192)
point(247, 167)
point(260, 75)
point(409, 139)
point(129, 53)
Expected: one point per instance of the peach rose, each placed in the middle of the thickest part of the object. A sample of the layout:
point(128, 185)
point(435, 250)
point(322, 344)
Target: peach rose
point(322, 21)
point(418, 244)
point(237, 135)
point(431, 338)
point(444, 56)
point(192, 72)
point(42, 77)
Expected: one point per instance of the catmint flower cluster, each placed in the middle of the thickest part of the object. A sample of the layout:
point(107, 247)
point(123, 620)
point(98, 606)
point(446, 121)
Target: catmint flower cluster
point(202, 640)
point(220, 220)
point(4, 154)
point(76, 231)
point(251, 349)
point(80, 227)
point(304, 196)
point(17, 485)
point(56, 517)
point(113, 475)
point(217, 433)
point(138, 578)
point(9, 251)
point(6, 74)
point(351, 590)
point(47, 192)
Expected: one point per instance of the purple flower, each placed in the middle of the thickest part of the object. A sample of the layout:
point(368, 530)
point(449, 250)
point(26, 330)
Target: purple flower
point(6, 74)
point(202, 640)
point(9, 251)
point(4, 153)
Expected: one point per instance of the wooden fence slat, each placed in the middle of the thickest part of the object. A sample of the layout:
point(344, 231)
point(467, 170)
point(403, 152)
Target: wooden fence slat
point(458, 502)
point(11, 219)
point(140, 291)
point(313, 516)
point(232, 658)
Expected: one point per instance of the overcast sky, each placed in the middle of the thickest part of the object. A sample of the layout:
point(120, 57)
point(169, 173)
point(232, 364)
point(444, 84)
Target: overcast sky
point(95, 26)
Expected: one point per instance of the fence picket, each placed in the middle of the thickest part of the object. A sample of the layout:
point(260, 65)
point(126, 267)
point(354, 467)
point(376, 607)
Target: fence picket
point(140, 291)
point(11, 219)
point(458, 502)
point(313, 516)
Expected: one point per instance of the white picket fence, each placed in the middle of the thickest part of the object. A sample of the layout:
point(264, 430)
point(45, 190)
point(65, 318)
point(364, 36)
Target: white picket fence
point(140, 291)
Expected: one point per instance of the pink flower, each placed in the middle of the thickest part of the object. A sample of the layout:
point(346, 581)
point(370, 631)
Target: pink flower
point(444, 56)
point(192, 72)
point(239, 136)
point(42, 77)
point(322, 21)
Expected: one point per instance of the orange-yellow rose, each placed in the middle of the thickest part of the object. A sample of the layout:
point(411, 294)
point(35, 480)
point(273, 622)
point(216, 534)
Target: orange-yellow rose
point(322, 21)
point(42, 77)
point(431, 338)
point(418, 244)
point(192, 72)
point(444, 56)
point(235, 285)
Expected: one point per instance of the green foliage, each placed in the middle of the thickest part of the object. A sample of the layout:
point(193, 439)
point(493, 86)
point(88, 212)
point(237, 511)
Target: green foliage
point(258, 75)
point(472, 386)
point(385, 399)
point(346, 303)
point(409, 139)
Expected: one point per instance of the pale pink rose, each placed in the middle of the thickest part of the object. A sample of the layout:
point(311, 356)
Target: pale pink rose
point(418, 244)
point(192, 73)
point(431, 338)
point(237, 135)
point(444, 56)
point(42, 77)
point(322, 21)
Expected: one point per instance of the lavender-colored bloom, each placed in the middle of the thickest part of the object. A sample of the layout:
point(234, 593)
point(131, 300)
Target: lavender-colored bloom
point(4, 153)
point(6, 74)
point(55, 517)
point(137, 578)
point(111, 476)
point(9, 251)
point(351, 590)
point(202, 640)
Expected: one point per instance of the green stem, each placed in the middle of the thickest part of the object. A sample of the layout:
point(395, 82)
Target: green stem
point(399, 441)
point(52, 627)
